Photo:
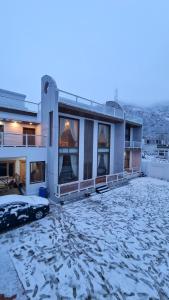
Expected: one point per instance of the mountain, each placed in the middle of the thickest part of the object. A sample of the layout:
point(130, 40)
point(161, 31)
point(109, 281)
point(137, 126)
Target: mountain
point(155, 119)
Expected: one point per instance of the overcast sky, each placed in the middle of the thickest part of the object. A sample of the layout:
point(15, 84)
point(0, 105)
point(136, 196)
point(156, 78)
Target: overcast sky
point(90, 47)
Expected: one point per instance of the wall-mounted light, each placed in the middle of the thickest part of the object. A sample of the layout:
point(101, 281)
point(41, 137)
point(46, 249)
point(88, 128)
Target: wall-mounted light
point(30, 123)
point(67, 124)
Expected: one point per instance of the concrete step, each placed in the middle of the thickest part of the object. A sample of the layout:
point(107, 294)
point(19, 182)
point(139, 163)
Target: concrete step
point(102, 189)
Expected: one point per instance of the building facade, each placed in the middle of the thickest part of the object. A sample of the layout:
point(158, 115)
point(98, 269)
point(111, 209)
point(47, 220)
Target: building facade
point(66, 143)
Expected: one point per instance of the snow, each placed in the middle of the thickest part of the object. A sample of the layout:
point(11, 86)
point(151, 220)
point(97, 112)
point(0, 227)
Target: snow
point(112, 246)
point(32, 200)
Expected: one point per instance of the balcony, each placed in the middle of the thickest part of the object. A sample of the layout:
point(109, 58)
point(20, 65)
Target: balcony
point(69, 99)
point(133, 144)
point(21, 140)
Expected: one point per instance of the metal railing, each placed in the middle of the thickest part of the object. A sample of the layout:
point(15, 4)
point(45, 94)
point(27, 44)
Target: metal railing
point(19, 104)
point(133, 118)
point(111, 178)
point(78, 101)
point(133, 144)
point(21, 140)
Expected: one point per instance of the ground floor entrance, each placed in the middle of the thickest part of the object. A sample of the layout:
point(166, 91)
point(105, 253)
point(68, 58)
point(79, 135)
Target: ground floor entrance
point(12, 176)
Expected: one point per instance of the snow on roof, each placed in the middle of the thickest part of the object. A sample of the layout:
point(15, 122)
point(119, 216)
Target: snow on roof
point(32, 200)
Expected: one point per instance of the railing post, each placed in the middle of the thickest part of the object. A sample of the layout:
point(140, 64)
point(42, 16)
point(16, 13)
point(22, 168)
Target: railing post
point(26, 140)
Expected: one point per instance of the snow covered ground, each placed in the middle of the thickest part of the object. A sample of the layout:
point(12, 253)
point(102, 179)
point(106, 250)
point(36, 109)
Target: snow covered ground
point(113, 246)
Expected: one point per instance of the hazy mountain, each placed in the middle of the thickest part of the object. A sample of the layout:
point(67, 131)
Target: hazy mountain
point(155, 119)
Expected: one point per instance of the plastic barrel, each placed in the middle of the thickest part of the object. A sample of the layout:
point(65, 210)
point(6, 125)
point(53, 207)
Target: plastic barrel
point(43, 192)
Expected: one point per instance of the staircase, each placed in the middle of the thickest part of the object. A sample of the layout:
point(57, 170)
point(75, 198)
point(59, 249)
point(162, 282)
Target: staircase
point(101, 189)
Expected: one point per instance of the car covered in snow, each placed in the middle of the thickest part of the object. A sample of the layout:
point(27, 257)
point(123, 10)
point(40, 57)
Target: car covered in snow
point(18, 209)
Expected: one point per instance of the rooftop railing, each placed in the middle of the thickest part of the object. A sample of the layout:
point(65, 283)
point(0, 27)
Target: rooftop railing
point(133, 118)
point(22, 140)
point(19, 104)
point(91, 105)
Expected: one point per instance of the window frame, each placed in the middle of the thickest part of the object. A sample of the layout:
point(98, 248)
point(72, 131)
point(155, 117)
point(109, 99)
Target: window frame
point(104, 152)
point(7, 168)
point(69, 153)
point(44, 173)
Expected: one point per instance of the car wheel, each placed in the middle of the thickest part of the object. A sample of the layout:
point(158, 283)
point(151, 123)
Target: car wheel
point(39, 215)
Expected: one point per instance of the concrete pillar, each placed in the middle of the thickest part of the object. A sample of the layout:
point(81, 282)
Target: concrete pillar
point(49, 102)
point(112, 140)
point(119, 147)
point(81, 148)
point(95, 144)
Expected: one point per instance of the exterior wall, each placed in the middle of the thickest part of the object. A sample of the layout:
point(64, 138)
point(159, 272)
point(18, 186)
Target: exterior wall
point(12, 99)
point(18, 127)
point(156, 169)
point(15, 133)
point(31, 155)
point(19, 117)
point(119, 143)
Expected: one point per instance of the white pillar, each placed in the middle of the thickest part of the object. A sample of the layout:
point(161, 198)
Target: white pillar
point(81, 148)
point(131, 135)
point(95, 145)
point(112, 149)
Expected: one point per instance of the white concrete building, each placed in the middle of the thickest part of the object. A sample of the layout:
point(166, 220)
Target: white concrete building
point(66, 143)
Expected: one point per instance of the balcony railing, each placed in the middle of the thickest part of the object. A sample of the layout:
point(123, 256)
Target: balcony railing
point(84, 185)
point(21, 140)
point(132, 144)
point(133, 118)
point(19, 104)
point(91, 105)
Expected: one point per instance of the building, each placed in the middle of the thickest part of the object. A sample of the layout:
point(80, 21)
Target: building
point(66, 143)
point(163, 152)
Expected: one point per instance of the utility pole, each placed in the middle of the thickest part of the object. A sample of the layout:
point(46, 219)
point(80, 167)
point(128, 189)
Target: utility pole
point(116, 95)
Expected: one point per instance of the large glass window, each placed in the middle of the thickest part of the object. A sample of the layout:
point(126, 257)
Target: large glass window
point(68, 149)
point(37, 171)
point(103, 159)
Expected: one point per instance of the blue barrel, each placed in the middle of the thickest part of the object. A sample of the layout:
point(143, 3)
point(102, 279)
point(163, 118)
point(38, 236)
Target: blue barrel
point(43, 192)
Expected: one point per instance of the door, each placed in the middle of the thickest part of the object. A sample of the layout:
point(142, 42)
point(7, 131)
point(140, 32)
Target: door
point(127, 160)
point(29, 134)
point(23, 171)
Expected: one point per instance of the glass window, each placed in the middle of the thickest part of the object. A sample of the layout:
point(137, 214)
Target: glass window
point(68, 149)
point(37, 171)
point(127, 133)
point(103, 159)
point(11, 168)
point(7, 169)
point(3, 169)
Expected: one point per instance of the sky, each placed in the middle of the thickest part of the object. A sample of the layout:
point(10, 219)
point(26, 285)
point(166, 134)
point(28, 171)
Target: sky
point(90, 47)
